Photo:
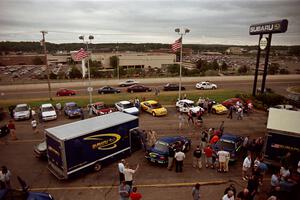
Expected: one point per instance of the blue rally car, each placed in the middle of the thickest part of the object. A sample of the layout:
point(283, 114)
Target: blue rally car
point(231, 143)
point(71, 109)
point(159, 152)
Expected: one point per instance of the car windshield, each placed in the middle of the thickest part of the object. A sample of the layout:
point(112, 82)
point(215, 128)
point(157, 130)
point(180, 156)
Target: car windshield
point(161, 146)
point(21, 108)
point(73, 107)
point(128, 105)
point(47, 109)
point(226, 145)
point(98, 107)
point(156, 105)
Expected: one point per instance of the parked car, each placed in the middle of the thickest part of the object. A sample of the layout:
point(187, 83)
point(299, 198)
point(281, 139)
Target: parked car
point(65, 92)
point(218, 108)
point(47, 112)
point(172, 87)
point(24, 194)
point(185, 105)
point(40, 150)
point(159, 152)
point(231, 102)
point(108, 89)
point(128, 83)
point(205, 85)
point(154, 108)
point(4, 130)
point(127, 107)
point(22, 111)
point(99, 108)
point(71, 109)
point(138, 88)
point(231, 143)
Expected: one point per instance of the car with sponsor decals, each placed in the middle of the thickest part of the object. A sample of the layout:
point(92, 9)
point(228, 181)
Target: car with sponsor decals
point(99, 108)
point(71, 109)
point(154, 108)
point(186, 105)
point(127, 107)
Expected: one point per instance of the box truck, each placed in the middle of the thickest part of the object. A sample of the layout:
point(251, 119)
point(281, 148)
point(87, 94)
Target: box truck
point(91, 143)
point(283, 135)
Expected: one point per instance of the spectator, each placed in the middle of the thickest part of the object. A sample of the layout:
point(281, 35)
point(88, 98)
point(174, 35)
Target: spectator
point(81, 114)
point(5, 177)
point(275, 180)
point(181, 120)
point(231, 108)
point(222, 159)
point(284, 173)
point(221, 129)
point(214, 139)
point(197, 163)
point(232, 188)
point(33, 125)
point(190, 117)
point(204, 139)
point(121, 168)
point(240, 113)
point(179, 157)
point(243, 195)
point(246, 167)
point(156, 91)
point(286, 160)
point(209, 106)
point(252, 186)
point(134, 195)
point(298, 168)
point(58, 107)
point(208, 152)
point(128, 174)
point(171, 157)
point(272, 198)
point(196, 192)
point(124, 191)
point(228, 196)
point(137, 103)
point(12, 128)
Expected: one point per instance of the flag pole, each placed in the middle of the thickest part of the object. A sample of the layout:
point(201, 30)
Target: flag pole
point(180, 70)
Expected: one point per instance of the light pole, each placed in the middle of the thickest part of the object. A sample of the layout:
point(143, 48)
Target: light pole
point(177, 30)
point(90, 89)
point(43, 42)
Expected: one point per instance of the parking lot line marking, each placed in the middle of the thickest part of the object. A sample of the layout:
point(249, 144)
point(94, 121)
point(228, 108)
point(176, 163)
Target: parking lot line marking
point(160, 185)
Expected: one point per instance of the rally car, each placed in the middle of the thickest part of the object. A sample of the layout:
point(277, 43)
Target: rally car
point(154, 108)
point(72, 110)
point(99, 108)
point(186, 105)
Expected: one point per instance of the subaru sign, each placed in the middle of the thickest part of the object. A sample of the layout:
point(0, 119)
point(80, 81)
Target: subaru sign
point(279, 26)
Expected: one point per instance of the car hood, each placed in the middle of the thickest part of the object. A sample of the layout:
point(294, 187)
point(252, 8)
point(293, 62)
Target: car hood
point(132, 110)
point(74, 111)
point(220, 107)
point(160, 153)
point(104, 110)
point(160, 109)
point(195, 109)
point(21, 113)
point(48, 113)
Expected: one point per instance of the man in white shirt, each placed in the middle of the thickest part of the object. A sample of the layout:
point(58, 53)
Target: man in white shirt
point(228, 196)
point(246, 167)
point(222, 159)
point(128, 174)
point(179, 157)
point(5, 177)
point(121, 170)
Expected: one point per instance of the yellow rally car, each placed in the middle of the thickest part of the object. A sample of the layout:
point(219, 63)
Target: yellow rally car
point(154, 108)
point(219, 109)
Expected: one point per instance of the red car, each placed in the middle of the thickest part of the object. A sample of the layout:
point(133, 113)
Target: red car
point(65, 92)
point(231, 102)
point(99, 108)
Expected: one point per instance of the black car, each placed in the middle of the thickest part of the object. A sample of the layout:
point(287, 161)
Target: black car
point(172, 87)
point(108, 89)
point(4, 130)
point(138, 88)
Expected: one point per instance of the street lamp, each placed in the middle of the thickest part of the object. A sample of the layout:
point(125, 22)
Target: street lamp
point(90, 89)
point(177, 30)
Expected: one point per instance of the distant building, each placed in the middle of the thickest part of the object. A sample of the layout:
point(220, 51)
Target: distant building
point(235, 50)
point(7, 60)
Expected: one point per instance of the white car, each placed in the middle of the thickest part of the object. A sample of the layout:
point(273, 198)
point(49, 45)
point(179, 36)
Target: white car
point(205, 85)
point(186, 105)
point(127, 107)
point(48, 112)
point(128, 83)
point(22, 111)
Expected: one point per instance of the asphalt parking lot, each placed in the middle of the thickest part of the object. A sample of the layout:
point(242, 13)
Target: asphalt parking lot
point(154, 182)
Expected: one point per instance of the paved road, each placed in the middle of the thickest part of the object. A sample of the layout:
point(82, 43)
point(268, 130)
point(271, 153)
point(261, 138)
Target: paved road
point(243, 83)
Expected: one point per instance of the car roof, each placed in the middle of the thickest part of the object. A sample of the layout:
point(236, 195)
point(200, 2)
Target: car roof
point(170, 139)
point(70, 104)
point(21, 105)
point(186, 101)
point(151, 102)
point(230, 137)
point(124, 102)
point(46, 105)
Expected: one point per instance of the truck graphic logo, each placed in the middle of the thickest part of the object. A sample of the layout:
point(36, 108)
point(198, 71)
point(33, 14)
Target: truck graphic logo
point(104, 141)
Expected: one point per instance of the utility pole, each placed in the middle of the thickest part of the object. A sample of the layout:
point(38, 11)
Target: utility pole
point(47, 66)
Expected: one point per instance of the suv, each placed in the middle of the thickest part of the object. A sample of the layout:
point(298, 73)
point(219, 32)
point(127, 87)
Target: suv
point(22, 111)
point(48, 112)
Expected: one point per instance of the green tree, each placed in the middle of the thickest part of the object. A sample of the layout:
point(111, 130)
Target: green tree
point(75, 73)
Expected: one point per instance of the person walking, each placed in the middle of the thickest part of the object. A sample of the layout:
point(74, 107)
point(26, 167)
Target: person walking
point(222, 159)
point(190, 117)
point(171, 157)
point(124, 191)
point(179, 157)
point(181, 120)
point(128, 174)
point(246, 167)
point(5, 178)
point(134, 195)
point(239, 113)
point(231, 108)
point(196, 192)
point(197, 163)
point(228, 196)
point(204, 139)
point(34, 125)
point(232, 188)
point(12, 129)
point(121, 167)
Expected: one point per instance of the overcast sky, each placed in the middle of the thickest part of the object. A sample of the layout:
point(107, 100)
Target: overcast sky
point(142, 21)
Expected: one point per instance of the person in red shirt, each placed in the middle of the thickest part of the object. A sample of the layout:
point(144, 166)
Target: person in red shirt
point(214, 139)
point(12, 129)
point(208, 156)
point(134, 195)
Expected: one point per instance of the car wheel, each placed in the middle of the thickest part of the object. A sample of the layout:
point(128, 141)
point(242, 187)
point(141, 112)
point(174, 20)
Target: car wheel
point(154, 114)
point(97, 167)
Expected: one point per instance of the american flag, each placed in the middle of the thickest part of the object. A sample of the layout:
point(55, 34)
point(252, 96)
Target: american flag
point(81, 54)
point(176, 45)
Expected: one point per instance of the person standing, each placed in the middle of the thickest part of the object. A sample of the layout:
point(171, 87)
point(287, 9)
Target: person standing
point(134, 195)
point(231, 108)
point(232, 188)
point(124, 191)
point(209, 106)
point(5, 177)
point(34, 125)
point(179, 157)
point(81, 114)
point(239, 113)
point(208, 156)
point(128, 174)
point(246, 167)
point(228, 196)
point(252, 186)
point(181, 120)
point(137, 103)
point(12, 128)
point(171, 157)
point(204, 139)
point(121, 167)
point(190, 117)
point(197, 163)
point(243, 195)
point(196, 192)
point(222, 160)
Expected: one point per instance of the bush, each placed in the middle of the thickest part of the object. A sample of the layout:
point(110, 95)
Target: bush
point(211, 73)
point(270, 99)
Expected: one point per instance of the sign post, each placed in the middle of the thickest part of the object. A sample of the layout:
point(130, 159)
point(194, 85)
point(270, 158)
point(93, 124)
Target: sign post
point(279, 26)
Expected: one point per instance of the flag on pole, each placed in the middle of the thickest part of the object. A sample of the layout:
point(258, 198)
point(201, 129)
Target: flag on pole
point(81, 54)
point(83, 68)
point(177, 45)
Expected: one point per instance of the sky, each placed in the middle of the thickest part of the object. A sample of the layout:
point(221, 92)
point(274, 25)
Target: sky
point(146, 21)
